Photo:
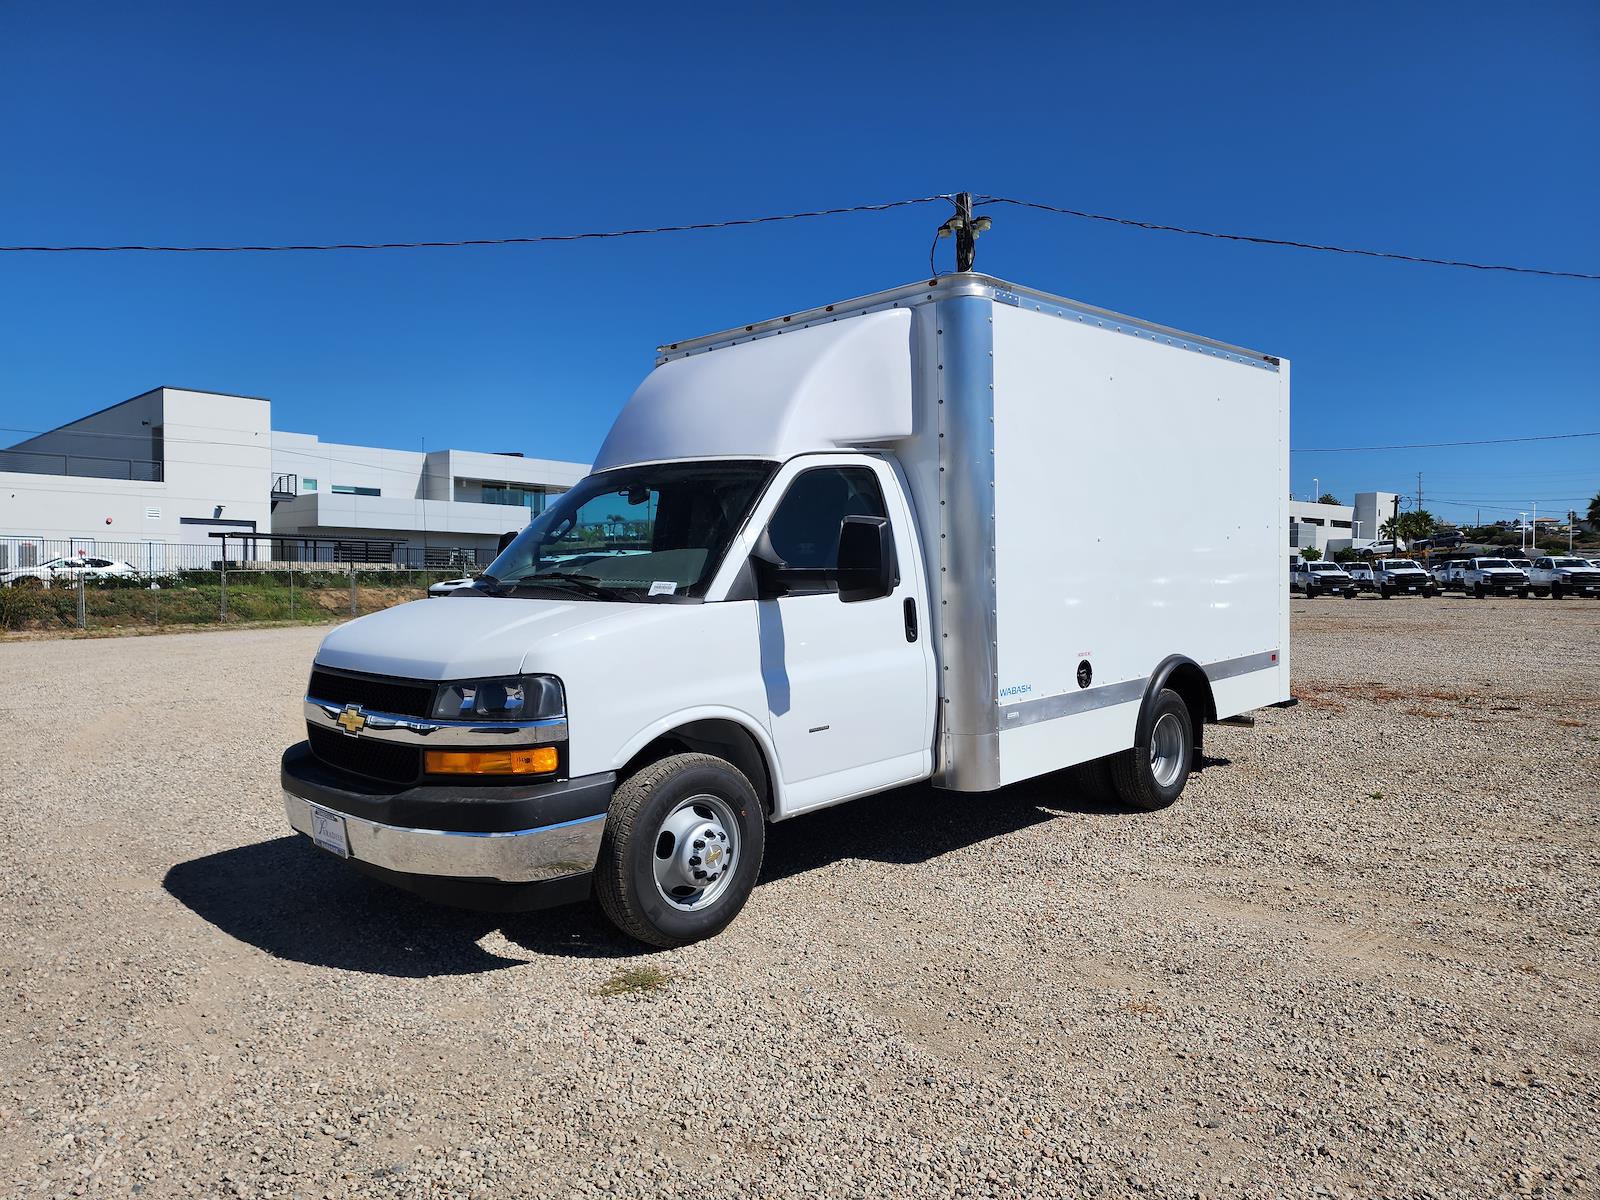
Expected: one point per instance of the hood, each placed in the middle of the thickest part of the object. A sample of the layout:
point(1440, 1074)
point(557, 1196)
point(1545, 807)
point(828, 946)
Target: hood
point(461, 636)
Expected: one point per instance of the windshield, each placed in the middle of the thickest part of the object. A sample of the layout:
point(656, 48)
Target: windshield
point(1333, 567)
point(1568, 562)
point(1403, 564)
point(1486, 563)
point(636, 533)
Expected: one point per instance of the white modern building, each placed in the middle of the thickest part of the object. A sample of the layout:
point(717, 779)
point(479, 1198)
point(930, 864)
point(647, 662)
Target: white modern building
point(1330, 527)
point(174, 467)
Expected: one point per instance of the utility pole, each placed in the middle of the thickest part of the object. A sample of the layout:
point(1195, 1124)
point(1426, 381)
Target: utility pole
point(1572, 519)
point(1533, 535)
point(1419, 491)
point(965, 228)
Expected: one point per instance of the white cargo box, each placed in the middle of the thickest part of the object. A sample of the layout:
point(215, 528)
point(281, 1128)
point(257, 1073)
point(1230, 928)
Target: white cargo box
point(1096, 495)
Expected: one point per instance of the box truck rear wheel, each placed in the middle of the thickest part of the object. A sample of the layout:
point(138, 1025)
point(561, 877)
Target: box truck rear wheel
point(1152, 777)
point(682, 847)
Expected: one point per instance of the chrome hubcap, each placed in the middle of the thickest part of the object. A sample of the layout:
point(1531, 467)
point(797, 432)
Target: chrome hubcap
point(1166, 749)
point(696, 848)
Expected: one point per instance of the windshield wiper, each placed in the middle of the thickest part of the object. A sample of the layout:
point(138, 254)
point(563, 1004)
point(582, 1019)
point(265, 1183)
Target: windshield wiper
point(584, 583)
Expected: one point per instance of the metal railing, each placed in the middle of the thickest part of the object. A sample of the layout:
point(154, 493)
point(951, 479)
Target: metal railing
point(83, 466)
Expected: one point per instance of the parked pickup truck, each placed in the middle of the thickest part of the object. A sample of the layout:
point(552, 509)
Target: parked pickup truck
point(1400, 577)
point(1365, 579)
point(1492, 576)
point(1564, 576)
point(1322, 579)
point(809, 565)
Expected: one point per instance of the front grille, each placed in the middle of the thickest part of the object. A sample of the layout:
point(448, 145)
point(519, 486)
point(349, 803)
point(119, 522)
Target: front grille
point(373, 693)
point(364, 756)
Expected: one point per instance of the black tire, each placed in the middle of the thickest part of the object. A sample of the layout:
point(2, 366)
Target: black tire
point(1555, 591)
point(1477, 591)
point(1132, 772)
point(1092, 781)
point(1350, 594)
point(624, 878)
point(1522, 593)
point(1384, 593)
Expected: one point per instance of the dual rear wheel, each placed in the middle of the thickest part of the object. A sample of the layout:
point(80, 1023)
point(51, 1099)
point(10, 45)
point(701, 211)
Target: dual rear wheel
point(1151, 777)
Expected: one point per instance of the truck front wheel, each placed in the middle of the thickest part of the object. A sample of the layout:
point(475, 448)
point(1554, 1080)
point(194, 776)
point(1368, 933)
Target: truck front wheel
point(1153, 777)
point(682, 847)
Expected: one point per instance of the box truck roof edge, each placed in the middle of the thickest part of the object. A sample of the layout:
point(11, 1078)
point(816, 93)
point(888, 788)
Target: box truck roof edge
point(946, 286)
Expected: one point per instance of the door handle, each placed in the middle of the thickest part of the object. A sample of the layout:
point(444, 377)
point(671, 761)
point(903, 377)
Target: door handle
point(911, 619)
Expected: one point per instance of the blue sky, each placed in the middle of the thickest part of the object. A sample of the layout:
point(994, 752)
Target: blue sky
point(1459, 131)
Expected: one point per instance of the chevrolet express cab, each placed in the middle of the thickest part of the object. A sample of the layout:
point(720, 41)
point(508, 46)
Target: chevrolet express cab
point(821, 556)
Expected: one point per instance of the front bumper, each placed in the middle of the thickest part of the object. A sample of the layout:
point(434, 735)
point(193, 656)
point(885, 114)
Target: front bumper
point(495, 834)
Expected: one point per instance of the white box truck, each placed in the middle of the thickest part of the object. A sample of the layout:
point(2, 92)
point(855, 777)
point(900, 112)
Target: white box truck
point(961, 531)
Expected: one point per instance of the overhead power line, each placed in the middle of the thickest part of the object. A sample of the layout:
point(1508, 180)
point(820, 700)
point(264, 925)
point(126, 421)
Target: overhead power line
point(1547, 437)
point(699, 226)
point(533, 240)
point(1268, 241)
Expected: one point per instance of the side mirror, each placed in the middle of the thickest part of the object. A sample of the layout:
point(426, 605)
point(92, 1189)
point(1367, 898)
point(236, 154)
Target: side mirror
point(866, 559)
point(768, 568)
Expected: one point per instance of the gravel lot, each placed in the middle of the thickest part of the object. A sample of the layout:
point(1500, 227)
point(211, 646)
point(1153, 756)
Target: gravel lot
point(1359, 958)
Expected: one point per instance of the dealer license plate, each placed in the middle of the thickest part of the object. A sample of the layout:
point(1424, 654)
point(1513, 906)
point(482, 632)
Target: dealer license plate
point(327, 831)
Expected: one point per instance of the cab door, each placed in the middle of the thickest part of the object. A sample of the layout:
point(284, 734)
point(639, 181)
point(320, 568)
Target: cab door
point(849, 685)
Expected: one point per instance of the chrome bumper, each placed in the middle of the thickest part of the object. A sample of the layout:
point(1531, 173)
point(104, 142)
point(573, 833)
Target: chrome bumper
point(521, 856)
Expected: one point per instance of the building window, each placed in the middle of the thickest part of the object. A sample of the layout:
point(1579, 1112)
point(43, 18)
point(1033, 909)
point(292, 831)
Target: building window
point(308, 484)
point(345, 489)
point(508, 493)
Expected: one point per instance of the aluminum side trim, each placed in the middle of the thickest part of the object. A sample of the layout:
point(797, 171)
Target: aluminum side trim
point(1267, 660)
point(1129, 691)
point(1049, 708)
point(969, 658)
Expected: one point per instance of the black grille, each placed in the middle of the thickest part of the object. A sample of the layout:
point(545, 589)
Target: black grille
point(364, 756)
point(373, 694)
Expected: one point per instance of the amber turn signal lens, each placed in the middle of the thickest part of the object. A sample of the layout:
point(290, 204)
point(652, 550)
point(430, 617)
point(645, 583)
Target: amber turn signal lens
point(540, 760)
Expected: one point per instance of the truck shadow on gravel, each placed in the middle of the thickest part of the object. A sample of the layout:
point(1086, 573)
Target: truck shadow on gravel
point(297, 903)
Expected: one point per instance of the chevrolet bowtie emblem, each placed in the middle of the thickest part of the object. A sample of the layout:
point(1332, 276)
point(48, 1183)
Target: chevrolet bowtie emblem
point(351, 720)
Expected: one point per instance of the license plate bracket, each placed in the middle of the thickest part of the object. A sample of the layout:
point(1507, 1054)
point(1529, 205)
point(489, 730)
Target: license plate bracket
point(328, 831)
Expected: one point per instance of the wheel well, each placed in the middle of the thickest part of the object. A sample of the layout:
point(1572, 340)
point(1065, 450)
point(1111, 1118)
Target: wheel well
point(724, 739)
point(1190, 682)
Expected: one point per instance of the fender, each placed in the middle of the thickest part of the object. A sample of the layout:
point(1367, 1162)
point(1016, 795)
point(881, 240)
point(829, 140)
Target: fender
point(1192, 683)
point(709, 712)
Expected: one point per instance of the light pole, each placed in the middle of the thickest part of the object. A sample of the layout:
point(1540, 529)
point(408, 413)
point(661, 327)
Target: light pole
point(1522, 541)
point(1533, 537)
point(1316, 489)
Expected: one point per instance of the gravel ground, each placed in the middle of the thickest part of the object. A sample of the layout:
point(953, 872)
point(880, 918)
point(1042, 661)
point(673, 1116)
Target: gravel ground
point(1358, 958)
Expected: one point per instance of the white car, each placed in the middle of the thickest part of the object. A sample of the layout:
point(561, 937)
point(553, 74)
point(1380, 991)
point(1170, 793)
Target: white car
point(67, 570)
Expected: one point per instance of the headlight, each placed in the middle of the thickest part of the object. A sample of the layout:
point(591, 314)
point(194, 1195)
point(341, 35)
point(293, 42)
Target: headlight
point(515, 698)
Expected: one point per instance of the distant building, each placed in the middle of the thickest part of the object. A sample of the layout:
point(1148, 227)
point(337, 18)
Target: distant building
point(1331, 527)
point(173, 467)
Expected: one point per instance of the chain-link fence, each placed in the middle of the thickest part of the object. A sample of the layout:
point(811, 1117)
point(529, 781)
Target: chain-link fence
point(237, 594)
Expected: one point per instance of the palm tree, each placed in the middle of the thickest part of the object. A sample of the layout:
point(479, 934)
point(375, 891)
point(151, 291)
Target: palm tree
point(1594, 510)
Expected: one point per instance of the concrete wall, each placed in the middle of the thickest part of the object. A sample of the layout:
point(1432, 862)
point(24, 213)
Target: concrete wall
point(1372, 509)
point(119, 442)
point(216, 452)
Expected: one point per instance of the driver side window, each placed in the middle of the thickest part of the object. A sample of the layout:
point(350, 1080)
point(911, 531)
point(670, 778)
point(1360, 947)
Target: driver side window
point(804, 529)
